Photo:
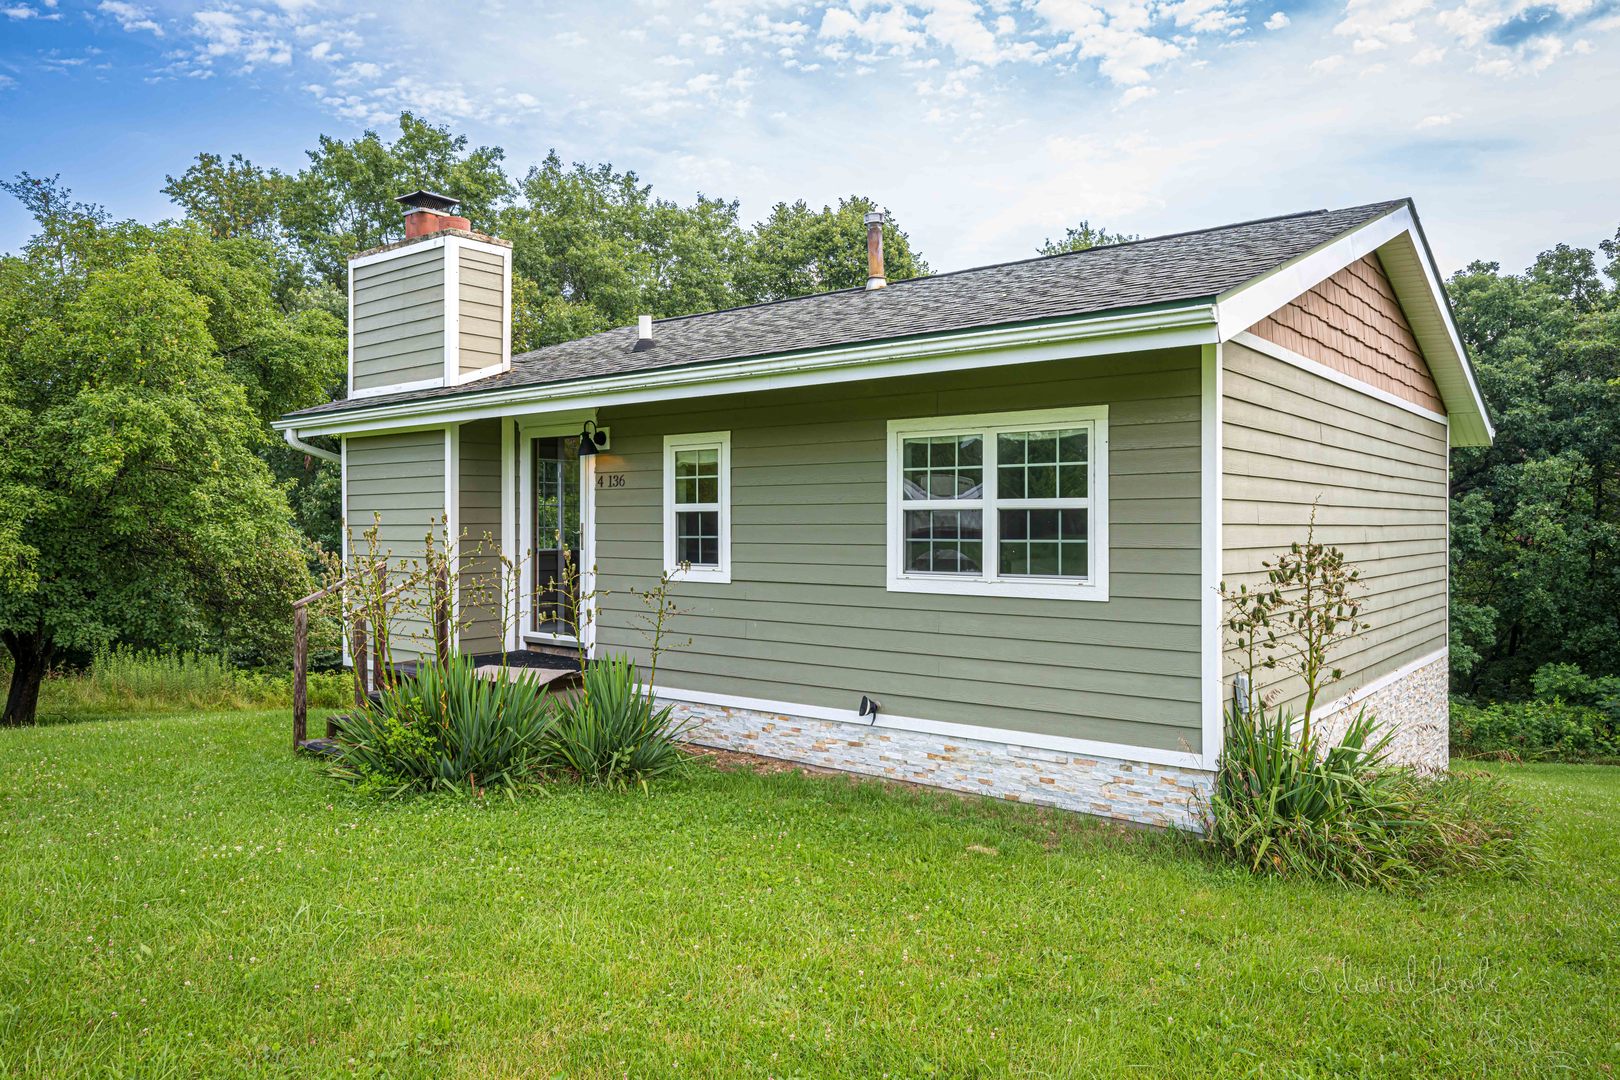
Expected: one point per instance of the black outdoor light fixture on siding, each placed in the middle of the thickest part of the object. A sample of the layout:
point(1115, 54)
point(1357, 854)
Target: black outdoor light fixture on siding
point(591, 439)
point(870, 707)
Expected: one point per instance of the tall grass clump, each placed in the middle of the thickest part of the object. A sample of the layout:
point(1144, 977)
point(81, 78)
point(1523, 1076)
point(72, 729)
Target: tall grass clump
point(1288, 800)
point(445, 728)
point(1288, 803)
point(122, 679)
point(611, 733)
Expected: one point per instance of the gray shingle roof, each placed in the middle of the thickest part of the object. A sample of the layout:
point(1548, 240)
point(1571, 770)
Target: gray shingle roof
point(1182, 267)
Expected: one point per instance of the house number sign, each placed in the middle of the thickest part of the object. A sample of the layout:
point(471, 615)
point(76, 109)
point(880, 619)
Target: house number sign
point(610, 480)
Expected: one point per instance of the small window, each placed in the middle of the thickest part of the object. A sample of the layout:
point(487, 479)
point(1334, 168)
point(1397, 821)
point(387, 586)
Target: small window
point(1011, 504)
point(697, 506)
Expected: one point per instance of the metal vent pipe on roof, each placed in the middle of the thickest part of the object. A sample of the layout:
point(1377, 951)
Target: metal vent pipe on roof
point(874, 251)
point(644, 337)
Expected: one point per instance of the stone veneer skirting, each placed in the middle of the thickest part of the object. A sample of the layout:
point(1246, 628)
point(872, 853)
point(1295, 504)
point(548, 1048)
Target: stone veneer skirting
point(1417, 706)
point(1161, 795)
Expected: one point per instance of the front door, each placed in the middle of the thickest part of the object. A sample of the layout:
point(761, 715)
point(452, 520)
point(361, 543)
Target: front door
point(555, 581)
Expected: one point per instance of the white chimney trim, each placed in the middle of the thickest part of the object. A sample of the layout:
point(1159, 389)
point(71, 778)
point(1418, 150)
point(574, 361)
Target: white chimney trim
point(644, 327)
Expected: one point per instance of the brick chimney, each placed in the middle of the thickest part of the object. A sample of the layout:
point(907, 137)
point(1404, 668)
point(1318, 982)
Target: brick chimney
point(427, 212)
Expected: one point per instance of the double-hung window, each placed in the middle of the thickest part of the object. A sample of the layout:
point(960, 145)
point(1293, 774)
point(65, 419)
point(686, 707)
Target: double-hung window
point(1008, 504)
point(697, 506)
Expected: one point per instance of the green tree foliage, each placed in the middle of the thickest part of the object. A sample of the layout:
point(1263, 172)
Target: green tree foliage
point(796, 251)
point(1083, 237)
point(138, 508)
point(592, 249)
point(1536, 517)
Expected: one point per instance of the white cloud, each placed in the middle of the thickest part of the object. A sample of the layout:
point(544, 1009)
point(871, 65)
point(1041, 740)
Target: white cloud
point(1135, 94)
point(1277, 21)
point(892, 28)
point(1438, 120)
point(21, 12)
point(131, 17)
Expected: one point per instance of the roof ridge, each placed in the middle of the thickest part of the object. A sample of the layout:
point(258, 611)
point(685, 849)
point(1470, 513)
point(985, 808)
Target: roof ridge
point(987, 266)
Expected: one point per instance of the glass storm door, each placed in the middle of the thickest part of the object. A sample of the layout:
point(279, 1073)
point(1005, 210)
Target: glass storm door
point(556, 576)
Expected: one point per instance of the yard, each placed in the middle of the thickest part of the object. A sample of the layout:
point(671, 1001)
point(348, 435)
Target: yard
point(180, 896)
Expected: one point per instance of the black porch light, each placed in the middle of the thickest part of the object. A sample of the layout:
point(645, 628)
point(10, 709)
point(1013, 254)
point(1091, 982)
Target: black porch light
point(591, 439)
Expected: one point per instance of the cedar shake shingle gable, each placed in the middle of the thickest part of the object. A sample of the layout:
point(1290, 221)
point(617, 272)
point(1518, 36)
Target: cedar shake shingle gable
point(1178, 268)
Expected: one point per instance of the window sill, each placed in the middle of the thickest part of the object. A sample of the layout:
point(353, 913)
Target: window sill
point(1037, 590)
point(700, 576)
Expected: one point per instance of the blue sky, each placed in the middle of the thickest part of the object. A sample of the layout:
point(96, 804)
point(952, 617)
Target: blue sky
point(984, 125)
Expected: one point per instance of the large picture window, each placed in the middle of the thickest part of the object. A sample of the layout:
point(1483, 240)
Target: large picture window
point(1008, 504)
point(697, 506)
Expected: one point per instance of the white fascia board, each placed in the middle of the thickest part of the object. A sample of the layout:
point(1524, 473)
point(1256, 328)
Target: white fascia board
point(1397, 239)
point(1187, 326)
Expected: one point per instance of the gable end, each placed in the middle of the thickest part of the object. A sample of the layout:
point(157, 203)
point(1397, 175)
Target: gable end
point(1353, 323)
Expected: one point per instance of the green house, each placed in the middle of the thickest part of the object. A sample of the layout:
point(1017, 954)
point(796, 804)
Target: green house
point(996, 503)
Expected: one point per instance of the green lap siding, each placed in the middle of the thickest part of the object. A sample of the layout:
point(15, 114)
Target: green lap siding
point(1378, 474)
point(807, 618)
point(397, 334)
point(396, 482)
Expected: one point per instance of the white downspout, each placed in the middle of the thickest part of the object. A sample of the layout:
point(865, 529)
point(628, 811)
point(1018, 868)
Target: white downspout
point(314, 451)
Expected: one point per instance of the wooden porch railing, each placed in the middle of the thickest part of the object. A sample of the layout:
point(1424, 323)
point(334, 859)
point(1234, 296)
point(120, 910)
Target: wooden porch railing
point(370, 675)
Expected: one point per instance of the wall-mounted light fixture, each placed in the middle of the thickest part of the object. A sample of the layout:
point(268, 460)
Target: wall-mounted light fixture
point(591, 439)
point(870, 707)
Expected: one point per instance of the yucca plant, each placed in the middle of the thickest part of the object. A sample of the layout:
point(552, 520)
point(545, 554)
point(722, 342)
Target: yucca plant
point(445, 727)
point(1287, 804)
point(611, 732)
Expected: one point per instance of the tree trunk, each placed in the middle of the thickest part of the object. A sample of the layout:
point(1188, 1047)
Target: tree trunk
point(30, 659)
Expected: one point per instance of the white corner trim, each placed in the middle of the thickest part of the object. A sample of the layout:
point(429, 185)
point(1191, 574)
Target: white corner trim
point(1212, 469)
point(509, 534)
point(347, 656)
point(391, 388)
point(1093, 587)
point(452, 524)
point(969, 350)
point(452, 310)
point(1360, 694)
point(702, 440)
point(1321, 370)
point(1033, 740)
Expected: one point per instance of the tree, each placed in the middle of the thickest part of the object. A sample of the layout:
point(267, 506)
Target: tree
point(592, 249)
point(231, 199)
point(797, 251)
point(1536, 517)
point(144, 513)
point(343, 202)
point(1083, 237)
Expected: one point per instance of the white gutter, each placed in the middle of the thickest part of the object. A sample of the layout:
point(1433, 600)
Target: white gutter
point(291, 435)
point(1192, 324)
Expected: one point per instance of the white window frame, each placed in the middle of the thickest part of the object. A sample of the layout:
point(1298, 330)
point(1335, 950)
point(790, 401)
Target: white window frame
point(705, 440)
point(1094, 586)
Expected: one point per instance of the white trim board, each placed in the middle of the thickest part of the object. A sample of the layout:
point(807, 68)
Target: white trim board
point(1071, 339)
point(1093, 587)
point(720, 441)
point(1082, 747)
point(1211, 494)
point(1305, 363)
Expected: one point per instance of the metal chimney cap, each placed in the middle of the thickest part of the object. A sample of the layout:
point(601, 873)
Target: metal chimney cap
point(427, 200)
point(874, 217)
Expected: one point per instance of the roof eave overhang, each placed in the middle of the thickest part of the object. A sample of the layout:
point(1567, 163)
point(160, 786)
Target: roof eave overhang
point(1186, 324)
point(1397, 239)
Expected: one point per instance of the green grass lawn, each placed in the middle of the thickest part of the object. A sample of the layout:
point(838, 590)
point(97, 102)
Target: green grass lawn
point(180, 896)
